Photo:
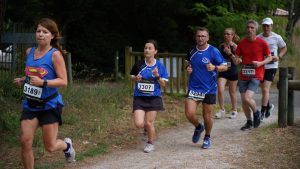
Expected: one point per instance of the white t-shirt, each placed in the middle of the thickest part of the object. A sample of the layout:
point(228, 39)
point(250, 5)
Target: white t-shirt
point(275, 42)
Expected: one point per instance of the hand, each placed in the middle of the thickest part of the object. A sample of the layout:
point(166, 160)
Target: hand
point(155, 72)
point(189, 69)
point(275, 58)
point(138, 77)
point(237, 60)
point(257, 63)
point(227, 50)
point(210, 67)
point(36, 81)
point(18, 81)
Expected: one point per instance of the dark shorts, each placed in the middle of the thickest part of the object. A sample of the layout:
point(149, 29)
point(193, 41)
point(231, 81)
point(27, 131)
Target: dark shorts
point(148, 103)
point(208, 99)
point(44, 117)
point(231, 77)
point(270, 74)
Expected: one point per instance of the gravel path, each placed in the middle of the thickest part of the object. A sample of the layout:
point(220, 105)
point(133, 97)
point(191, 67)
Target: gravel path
point(175, 150)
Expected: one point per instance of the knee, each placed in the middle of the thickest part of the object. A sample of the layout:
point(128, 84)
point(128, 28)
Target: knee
point(139, 124)
point(26, 142)
point(50, 147)
point(265, 90)
point(188, 114)
point(207, 116)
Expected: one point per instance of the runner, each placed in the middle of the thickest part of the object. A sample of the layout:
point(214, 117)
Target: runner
point(250, 54)
point(149, 75)
point(275, 42)
point(45, 71)
point(204, 63)
point(227, 49)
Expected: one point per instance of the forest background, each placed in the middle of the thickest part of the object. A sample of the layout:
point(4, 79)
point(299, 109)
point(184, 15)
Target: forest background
point(93, 31)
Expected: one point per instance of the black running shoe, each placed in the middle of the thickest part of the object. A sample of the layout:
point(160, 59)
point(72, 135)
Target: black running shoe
point(270, 110)
point(247, 126)
point(256, 119)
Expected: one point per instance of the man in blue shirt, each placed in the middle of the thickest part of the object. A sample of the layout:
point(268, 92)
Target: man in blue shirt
point(204, 61)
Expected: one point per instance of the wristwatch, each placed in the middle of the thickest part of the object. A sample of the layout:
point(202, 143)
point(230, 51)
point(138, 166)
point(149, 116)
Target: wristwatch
point(45, 83)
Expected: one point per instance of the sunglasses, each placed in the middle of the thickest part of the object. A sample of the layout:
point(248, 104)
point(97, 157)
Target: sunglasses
point(227, 34)
point(265, 25)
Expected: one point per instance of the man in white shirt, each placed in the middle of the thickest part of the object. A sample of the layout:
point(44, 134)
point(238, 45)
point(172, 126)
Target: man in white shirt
point(278, 50)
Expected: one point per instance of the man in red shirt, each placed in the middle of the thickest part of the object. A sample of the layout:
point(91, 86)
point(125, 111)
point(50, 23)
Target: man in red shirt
point(252, 53)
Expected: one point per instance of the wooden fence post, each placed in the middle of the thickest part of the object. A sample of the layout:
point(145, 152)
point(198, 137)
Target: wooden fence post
point(69, 71)
point(282, 101)
point(290, 113)
point(116, 65)
point(128, 50)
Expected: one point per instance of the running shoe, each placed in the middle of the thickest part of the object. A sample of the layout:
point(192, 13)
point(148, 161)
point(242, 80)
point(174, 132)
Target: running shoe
point(197, 133)
point(149, 147)
point(233, 114)
point(270, 110)
point(206, 143)
point(256, 119)
point(220, 114)
point(247, 126)
point(262, 116)
point(70, 154)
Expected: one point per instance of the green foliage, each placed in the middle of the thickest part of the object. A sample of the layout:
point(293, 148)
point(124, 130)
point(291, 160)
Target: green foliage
point(9, 121)
point(7, 88)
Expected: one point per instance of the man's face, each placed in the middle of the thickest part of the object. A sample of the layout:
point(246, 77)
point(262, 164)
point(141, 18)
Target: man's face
point(201, 38)
point(251, 29)
point(267, 28)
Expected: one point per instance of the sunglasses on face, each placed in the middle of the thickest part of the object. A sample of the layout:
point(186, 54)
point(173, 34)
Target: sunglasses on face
point(227, 34)
point(264, 25)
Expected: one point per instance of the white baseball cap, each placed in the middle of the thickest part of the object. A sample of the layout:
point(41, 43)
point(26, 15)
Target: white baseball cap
point(267, 21)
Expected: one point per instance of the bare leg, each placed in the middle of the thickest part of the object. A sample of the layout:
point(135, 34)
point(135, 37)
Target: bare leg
point(248, 103)
point(139, 118)
point(208, 122)
point(190, 111)
point(265, 87)
point(51, 142)
point(150, 118)
point(232, 93)
point(221, 88)
point(28, 128)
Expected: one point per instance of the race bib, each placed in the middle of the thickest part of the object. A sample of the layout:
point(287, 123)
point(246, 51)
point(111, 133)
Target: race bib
point(198, 96)
point(248, 70)
point(146, 86)
point(32, 90)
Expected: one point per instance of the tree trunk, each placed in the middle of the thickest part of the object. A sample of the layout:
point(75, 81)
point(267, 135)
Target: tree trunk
point(293, 17)
point(230, 6)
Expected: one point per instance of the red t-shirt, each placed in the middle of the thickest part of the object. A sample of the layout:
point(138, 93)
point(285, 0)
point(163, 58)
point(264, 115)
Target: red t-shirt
point(252, 51)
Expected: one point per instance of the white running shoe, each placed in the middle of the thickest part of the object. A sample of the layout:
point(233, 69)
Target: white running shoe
point(220, 114)
point(233, 114)
point(149, 147)
point(70, 154)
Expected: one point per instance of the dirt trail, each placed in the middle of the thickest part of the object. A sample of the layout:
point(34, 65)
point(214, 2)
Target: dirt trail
point(175, 150)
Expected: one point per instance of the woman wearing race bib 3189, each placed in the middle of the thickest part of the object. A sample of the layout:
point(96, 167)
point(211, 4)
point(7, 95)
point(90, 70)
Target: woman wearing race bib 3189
point(45, 71)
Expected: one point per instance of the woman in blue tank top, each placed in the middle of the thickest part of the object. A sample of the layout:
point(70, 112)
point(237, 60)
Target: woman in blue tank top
point(45, 72)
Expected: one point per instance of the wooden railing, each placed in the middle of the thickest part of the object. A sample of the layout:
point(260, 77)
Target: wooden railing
point(174, 63)
point(286, 86)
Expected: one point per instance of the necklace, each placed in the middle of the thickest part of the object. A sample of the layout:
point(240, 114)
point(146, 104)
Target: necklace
point(40, 53)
